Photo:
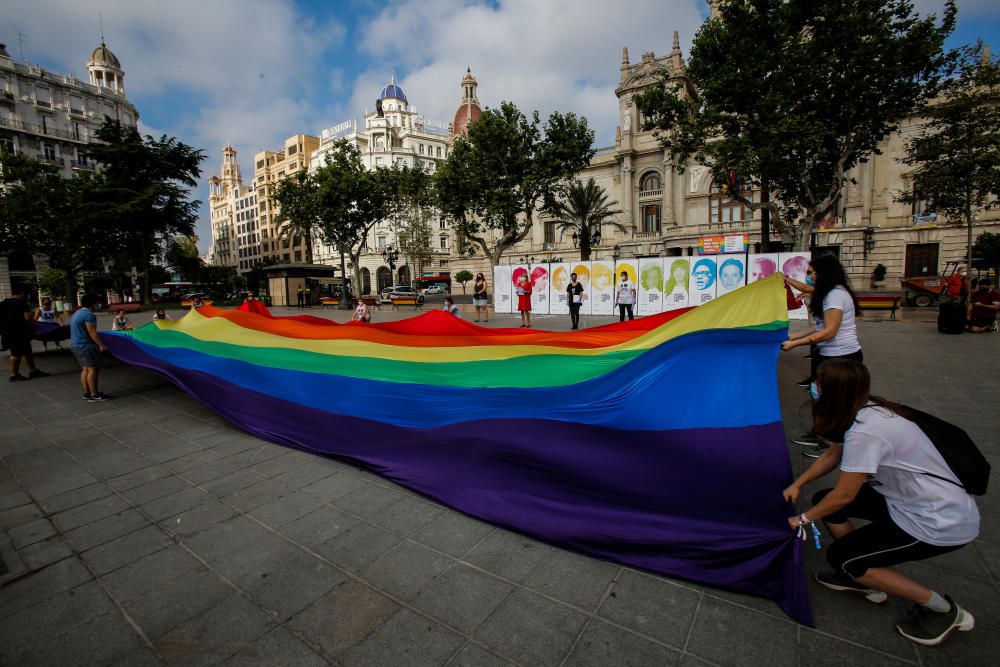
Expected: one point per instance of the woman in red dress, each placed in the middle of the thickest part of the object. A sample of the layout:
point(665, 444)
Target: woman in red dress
point(524, 299)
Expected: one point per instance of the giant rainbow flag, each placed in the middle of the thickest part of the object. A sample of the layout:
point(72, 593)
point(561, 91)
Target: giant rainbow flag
point(656, 443)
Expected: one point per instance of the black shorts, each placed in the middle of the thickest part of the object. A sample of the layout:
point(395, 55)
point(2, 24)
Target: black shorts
point(19, 346)
point(982, 322)
point(879, 544)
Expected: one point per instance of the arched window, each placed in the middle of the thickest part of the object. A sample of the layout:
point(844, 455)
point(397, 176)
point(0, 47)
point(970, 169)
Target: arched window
point(650, 181)
point(383, 277)
point(366, 281)
point(404, 275)
point(723, 208)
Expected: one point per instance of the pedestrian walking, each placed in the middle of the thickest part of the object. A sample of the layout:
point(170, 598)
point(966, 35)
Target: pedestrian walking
point(87, 347)
point(893, 476)
point(480, 297)
point(574, 299)
point(16, 330)
point(523, 291)
point(625, 297)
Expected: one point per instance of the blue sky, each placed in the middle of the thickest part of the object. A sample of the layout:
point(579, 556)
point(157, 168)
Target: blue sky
point(252, 72)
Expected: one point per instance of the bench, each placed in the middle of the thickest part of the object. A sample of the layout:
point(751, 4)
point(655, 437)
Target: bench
point(127, 307)
point(880, 302)
point(325, 301)
point(371, 302)
point(398, 301)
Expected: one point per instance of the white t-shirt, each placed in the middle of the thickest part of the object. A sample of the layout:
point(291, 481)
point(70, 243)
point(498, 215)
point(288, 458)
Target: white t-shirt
point(846, 340)
point(625, 290)
point(897, 455)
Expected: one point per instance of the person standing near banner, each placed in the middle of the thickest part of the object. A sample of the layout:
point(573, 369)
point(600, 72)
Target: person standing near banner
point(480, 297)
point(524, 300)
point(625, 297)
point(574, 299)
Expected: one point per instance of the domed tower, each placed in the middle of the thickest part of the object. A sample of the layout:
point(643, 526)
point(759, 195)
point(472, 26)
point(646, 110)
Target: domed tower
point(468, 110)
point(105, 70)
point(390, 92)
point(230, 168)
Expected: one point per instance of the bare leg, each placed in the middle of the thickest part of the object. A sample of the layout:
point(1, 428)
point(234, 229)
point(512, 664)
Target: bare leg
point(890, 581)
point(92, 380)
point(15, 364)
point(83, 380)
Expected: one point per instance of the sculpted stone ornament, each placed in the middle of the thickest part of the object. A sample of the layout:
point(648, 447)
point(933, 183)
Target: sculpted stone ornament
point(696, 173)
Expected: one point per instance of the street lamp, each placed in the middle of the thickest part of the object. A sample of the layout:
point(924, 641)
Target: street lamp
point(526, 260)
point(595, 238)
point(616, 252)
point(390, 255)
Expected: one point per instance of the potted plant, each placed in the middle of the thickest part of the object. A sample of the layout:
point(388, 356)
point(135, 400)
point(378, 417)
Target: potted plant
point(878, 276)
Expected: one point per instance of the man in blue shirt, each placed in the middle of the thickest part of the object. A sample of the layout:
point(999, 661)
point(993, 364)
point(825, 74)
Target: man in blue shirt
point(87, 347)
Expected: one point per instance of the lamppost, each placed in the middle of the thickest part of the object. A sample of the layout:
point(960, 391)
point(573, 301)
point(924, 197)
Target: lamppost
point(616, 253)
point(389, 256)
point(526, 260)
point(595, 238)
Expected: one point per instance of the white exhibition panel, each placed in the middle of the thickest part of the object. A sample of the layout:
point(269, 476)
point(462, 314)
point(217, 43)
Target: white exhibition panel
point(582, 271)
point(502, 288)
point(701, 288)
point(732, 272)
point(602, 288)
point(539, 277)
point(677, 274)
point(794, 265)
point(631, 268)
point(650, 285)
point(761, 266)
point(558, 280)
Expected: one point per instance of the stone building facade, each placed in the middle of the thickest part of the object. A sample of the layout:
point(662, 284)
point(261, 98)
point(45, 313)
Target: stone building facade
point(52, 117)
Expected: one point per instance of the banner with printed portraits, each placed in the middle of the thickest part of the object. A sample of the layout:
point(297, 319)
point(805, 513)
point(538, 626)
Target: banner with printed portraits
point(502, 288)
point(602, 288)
point(701, 288)
point(650, 286)
point(558, 280)
point(676, 275)
point(732, 273)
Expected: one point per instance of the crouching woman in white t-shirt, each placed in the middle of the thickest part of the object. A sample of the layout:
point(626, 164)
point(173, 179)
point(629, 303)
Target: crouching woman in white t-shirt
point(892, 475)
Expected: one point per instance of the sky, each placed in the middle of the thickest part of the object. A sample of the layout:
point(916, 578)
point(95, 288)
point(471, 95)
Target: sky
point(253, 72)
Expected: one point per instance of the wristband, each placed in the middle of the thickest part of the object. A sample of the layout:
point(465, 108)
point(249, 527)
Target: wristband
point(804, 518)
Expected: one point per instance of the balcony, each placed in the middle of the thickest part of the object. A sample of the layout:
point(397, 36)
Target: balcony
point(78, 164)
point(650, 194)
point(604, 150)
point(6, 96)
point(33, 128)
point(80, 113)
point(647, 235)
point(58, 161)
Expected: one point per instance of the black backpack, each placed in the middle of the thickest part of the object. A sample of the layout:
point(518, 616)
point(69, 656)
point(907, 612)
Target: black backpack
point(957, 449)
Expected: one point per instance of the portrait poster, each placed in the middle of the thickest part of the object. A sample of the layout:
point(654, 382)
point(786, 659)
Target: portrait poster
point(558, 280)
point(582, 271)
point(516, 271)
point(677, 275)
point(761, 266)
point(701, 288)
point(502, 288)
point(602, 288)
point(794, 265)
point(732, 273)
point(650, 285)
point(540, 289)
point(630, 268)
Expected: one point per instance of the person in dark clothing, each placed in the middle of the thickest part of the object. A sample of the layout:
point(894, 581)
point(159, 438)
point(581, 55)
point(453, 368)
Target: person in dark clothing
point(16, 331)
point(574, 298)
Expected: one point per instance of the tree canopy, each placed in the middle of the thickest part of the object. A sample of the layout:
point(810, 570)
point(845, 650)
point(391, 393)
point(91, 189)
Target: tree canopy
point(296, 200)
point(584, 209)
point(956, 155)
point(797, 93)
point(497, 176)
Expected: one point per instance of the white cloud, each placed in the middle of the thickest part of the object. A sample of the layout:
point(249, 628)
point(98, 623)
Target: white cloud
point(560, 55)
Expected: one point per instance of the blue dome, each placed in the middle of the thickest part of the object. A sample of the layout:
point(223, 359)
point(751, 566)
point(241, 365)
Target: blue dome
point(392, 92)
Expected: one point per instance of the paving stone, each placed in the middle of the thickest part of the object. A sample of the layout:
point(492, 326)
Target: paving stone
point(406, 639)
point(159, 488)
point(193, 461)
point(453, 533)
point(31, 629)
point(603, 644)
point(820, 650)
point(462, 597)
point(651, 606)
point(531, 629)
point(990, 554)
point(219, 539)
point(19, 516)
point(509, 555)
point(368, 501)
point(209, 471)
point(729, 635)
point(284, 510)
point(262, 452)
point(278, 648)
point(304, 475)
point(318, 527)
point(333, 487)
point(474, 655)
point(141, 576)
point(279, 464)
point(108, 528)
point(46, 552)
point(227, 443)
point(293, 585)
point(41, 585)
point(358, 546)
point(89, 513)
point(13, 499)
point(197, 519)
point(174, 504)
point(233, 482)
point(102, 641)
point(256, 495)
point(31, 532)
point(178, 601)
point(138, 477)
point(124, 550)
point(116, 464)
point(405, 569)
point(216, 634)
point(344, 616)
point(170, 449)
point(578, 580)
point(247, 567)
point(408, 515)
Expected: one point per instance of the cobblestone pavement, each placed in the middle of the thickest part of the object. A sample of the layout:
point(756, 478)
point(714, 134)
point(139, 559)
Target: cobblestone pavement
point(148, 530)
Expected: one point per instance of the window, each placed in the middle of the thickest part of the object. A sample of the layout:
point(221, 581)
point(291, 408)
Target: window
point(381, 242)
point(298, 255)
point(7, 146)
point(421, 149)
point(921, 259)
point(378, 162)
point(921, 203)
point(443, 225)
point(444, 243)
point(260, 164)
point(292, 150)
point(722, 208)
point(439, 151)
point(50, 151)
point(550, 232)
point(42, 97)
point(650, 181)
point(76, 105)
point(651, 218)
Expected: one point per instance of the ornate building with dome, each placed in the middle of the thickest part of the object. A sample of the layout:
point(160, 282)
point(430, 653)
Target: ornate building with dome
point(51, 117)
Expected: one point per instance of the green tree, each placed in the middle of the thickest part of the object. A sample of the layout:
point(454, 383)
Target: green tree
point(956, 154)
point(463, 277)
point(296, 198)
point(182, 256)
point(584, 210)
point(60, 218)
point(409, 206)
point(987, 249)
point(146, 190)
point(795, 94)
point(507, 166)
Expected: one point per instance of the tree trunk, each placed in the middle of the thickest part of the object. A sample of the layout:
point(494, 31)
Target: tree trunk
point(968, 224)
point(344, 304)
point(584, 245)
point(309, 246)
point(765, 216)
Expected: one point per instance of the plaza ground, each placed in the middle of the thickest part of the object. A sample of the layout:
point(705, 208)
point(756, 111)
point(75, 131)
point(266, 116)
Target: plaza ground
point(147, 530)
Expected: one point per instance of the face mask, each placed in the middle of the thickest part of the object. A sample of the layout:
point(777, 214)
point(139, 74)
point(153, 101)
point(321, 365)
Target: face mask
point(814, 391)
point(810, 281)
point(963, 274)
